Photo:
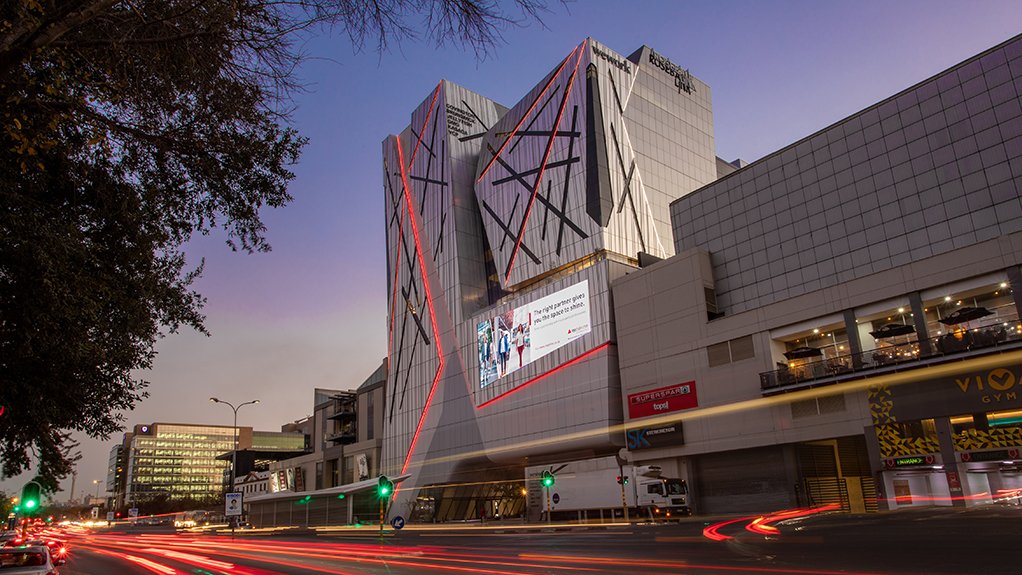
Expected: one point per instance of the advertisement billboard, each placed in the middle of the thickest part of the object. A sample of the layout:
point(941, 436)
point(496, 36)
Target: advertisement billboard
point(663, 400)
point(511, 340)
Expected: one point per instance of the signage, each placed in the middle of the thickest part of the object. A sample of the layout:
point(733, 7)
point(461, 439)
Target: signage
point(611, 59)
point(363, 467)
point(662, 436)
point(133, 512)
point(682, 77)
point(299, 479)
point(109, 516)
point(973, 391)
point(397, 522)
point(233, 504)
point(996, 455)
point(517, 337)
point(663, 400)
point(556, 498)
point(910, 461)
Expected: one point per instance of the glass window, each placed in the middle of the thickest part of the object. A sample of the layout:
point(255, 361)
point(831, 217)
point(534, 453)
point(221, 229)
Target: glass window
point(657, 488)
point(369, 415)
point(1000, 324)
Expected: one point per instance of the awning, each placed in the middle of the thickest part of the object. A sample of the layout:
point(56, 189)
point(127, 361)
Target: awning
point(892, 329)
point(964, 314)
point(800, 352)
point(345, 489)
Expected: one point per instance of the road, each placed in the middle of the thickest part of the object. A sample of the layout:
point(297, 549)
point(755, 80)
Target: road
point(928, 541)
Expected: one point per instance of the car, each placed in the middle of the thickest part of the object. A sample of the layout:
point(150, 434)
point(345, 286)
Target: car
point(29, 560)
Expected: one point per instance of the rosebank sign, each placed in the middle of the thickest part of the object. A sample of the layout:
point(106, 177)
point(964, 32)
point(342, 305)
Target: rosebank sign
point(662, 400)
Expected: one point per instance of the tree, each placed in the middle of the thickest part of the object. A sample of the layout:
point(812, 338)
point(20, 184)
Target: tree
point(127, 127)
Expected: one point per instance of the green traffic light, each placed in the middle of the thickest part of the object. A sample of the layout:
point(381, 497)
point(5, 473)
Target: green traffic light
point(384, 490)
point(30, 504)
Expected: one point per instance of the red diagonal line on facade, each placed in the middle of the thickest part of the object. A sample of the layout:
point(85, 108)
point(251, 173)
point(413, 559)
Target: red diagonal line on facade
point(429, 300)
point(546, 156)
point(521, 121)
point(424, 124)
point(566, 364)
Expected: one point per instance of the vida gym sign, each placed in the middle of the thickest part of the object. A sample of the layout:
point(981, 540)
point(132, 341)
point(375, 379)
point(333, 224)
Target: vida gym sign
point(982, 390)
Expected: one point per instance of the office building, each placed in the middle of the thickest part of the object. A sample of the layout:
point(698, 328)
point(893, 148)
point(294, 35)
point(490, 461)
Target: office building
point(505, 228)
point(181, 461)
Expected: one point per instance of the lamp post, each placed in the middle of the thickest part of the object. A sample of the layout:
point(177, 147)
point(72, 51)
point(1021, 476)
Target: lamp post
point(96, 482)
point(234, 452)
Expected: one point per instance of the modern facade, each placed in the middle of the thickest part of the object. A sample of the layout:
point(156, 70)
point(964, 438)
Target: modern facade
point(180, 460)
point(505, 229)
point(841, 323)
point(346, 441)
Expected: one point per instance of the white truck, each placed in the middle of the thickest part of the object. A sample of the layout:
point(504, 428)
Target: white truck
point(589, 490)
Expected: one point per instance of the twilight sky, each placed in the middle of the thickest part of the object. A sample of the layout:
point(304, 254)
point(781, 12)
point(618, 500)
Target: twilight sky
point(313, 311)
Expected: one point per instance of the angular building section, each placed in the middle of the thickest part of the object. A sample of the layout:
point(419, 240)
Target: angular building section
point(505, 228)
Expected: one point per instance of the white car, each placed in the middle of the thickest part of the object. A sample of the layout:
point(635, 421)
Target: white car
point(34, 560)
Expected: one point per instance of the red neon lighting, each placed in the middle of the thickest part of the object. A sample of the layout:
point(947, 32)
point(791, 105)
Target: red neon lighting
point(546, 156)
point(762, 525)
point(429, 301)
point(527, 112)
point(566, 364)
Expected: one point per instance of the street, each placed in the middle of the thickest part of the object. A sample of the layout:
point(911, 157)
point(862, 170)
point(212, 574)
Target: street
point(925, 541)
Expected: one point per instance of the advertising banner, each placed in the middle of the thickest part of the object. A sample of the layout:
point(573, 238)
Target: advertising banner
point(649, 437)
point(663, 400)
point(232, 504)
point(517, 337)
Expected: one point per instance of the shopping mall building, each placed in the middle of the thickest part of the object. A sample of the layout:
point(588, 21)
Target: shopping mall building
point(572, 276)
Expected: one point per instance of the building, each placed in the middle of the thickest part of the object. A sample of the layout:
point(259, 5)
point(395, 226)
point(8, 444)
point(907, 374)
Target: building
point(841, 323)
point(505, 230)
point(346, 440)
point(180, 460)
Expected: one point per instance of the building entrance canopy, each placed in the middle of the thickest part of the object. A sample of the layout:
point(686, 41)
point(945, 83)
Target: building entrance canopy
point(348, 489)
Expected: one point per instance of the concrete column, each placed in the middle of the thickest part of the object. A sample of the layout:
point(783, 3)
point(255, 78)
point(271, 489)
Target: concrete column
point(852, 329)
point(953, 472)
point(876, 467)
point(916, 302)
point(1015, 281)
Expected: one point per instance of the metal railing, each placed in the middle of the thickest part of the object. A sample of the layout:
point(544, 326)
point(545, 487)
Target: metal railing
point(892, 355)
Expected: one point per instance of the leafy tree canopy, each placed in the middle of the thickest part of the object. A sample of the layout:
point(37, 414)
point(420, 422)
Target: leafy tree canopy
point(126, 127)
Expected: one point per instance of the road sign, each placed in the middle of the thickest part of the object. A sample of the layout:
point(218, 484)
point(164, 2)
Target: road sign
point(233, 504)
point(133, 512)
point(557, 497)
point(397, 522)
point(109, 516)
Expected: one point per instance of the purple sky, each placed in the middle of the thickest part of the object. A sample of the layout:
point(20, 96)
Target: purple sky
point(313, 312)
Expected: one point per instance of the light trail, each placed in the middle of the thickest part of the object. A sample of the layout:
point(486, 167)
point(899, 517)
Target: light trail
point(913, 374)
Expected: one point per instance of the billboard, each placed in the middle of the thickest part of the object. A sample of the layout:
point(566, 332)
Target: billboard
point(663, 400)
point(509, 341)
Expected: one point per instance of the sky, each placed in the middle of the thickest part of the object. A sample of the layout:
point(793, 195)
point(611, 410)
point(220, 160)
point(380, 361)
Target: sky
point(312, 313)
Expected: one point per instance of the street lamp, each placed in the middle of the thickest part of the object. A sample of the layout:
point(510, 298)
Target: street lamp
point(234, 452)
point(96, 482)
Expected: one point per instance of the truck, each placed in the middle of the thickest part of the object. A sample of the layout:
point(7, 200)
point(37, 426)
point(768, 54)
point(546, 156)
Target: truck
point(592, 490)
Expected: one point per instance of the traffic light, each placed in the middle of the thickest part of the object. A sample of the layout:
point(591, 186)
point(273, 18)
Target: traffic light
point(31, 496)
point(622, 480)
point(341, 496)
point(384, 486)
point(547, 479)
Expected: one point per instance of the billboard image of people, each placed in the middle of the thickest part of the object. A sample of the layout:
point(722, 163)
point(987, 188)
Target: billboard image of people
point(517, 337)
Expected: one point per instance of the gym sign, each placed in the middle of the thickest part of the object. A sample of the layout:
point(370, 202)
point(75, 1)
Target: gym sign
point(995, 386)
point(969, 392)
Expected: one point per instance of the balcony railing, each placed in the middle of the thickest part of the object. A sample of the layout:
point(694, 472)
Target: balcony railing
point(892, 355)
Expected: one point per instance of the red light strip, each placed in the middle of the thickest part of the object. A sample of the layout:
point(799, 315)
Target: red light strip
point(713, 531)
point(564, 365)
point(546, 156)
point(526, 115)
point(429, 301)
point(762, 525)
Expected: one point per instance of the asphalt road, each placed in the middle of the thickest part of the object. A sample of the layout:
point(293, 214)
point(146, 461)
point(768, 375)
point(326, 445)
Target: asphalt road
point(931, 541)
